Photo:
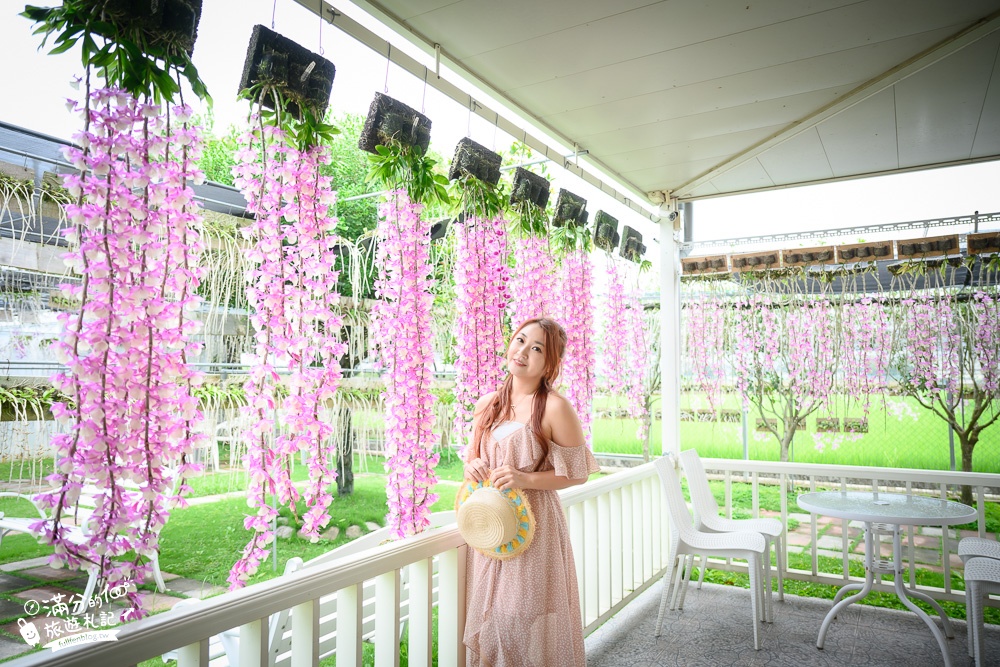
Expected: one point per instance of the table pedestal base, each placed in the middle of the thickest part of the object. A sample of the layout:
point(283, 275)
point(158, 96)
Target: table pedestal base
point(875, 565)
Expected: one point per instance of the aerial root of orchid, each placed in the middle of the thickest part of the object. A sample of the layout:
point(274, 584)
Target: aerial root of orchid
point(401, 332)
point(293, 293)
point(136, 244)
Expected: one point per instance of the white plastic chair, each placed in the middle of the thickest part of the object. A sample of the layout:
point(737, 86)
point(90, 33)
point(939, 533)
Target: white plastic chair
point(684, 540)
point(706, 518)
point(982, 578)
point(974, 547)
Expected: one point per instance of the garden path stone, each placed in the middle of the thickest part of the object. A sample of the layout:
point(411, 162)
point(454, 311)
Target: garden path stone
point(371, 525)
point(12, 647)
point(9, 582)
point(353, 532)
point(194, 589)
point(46, 573)
point(11, 609)
point(331, 533)
point(284, 532)
point(24, 564)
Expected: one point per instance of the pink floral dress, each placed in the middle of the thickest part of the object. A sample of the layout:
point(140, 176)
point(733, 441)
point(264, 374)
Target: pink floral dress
point(525, 611)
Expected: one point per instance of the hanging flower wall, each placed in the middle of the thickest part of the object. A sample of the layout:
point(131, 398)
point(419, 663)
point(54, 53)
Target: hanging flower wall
point(295, 366)
point(575, 311)
point(131, 412)
point(638, 351)
point(532, 282)
point(481, 280)
point(704, 328)
point(866, 348)
point(614, 353)
point(401, 331)
point(135, 242)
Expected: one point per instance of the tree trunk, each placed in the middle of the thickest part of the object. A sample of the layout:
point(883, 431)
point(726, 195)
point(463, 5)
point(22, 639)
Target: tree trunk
point(345, 454)
point(968, 444)
point(648, 420)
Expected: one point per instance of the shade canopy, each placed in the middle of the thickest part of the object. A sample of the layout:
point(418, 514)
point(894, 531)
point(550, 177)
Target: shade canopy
point(695, 99)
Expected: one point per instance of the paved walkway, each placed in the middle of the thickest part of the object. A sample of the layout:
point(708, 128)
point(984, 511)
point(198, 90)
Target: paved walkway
point(714, 630)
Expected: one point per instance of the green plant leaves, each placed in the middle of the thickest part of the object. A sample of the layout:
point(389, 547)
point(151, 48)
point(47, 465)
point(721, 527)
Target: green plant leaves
point(398, 166)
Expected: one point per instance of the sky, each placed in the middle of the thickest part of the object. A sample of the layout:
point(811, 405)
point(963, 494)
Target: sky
point(221, 50)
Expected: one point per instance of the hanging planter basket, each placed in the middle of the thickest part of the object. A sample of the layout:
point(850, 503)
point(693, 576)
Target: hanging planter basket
point(606, 234)
point(165, 24)
point(391, 120)
point(476, 160)
point(632, 247)
point(571, 210)
point(530, 188)
point(304, 78)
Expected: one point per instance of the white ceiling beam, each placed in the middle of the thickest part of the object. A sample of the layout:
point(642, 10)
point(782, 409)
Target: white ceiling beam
point(554, 146)
point(921, 61)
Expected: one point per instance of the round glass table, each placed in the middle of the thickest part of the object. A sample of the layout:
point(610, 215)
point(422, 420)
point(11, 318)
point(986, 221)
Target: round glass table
point(883, 514)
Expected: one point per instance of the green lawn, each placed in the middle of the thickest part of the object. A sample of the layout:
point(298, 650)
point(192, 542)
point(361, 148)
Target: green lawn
point(916, 439)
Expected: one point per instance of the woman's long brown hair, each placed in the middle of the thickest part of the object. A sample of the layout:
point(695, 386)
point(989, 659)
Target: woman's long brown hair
point(500, 409)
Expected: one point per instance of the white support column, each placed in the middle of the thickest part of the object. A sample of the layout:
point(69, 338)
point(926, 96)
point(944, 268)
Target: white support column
point(305, 634)
point(253, 643)
point(670, 332)
point(451, 607)
point(421, 604)
point(387, 619)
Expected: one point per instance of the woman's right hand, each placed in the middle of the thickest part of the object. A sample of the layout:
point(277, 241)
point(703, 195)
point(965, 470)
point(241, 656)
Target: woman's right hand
point(477, 470)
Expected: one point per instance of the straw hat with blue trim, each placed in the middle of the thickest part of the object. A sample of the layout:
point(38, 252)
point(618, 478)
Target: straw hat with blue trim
point(496, 523)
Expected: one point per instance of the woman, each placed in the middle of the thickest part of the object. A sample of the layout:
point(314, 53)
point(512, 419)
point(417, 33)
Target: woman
point(526, 610)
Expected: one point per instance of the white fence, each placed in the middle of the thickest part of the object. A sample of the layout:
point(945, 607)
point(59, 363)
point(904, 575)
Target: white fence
point(810, 477)
point(617, 527)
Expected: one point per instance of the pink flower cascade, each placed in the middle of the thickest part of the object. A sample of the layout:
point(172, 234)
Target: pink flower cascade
point(481, 295)
point(575, 311)
point(703, 342)
point(131, 413)
point(932, 340)
point(624, 360)
point(986, 348)
point(793, 346)
point(532, 282)
point(638, 360)
point(293, 292)
point(401, 331)
point(614, 353)
point(866, 346)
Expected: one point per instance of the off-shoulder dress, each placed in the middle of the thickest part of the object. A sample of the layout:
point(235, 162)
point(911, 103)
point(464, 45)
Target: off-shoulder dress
point(525, 611)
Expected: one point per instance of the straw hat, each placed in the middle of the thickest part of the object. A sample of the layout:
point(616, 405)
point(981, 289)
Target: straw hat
point(498, 524)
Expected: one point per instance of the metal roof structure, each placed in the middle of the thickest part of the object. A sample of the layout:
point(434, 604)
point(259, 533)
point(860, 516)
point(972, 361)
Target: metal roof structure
point(687, 99)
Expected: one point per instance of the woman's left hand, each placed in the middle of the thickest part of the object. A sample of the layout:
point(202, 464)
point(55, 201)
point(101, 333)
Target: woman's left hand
point(508, 477)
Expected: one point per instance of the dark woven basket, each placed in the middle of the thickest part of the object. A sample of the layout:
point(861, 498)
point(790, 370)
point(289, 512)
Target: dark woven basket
point(304, 77)
point(164, 23)
point(632, 247)
point(529, 187)
point(391, 119)
point(606, 231)
point(570, 210)
point(476, 160)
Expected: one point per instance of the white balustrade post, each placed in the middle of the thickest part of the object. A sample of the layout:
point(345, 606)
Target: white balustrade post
point(451, 607)
point(603, 546)
point(305, 634)
point(349, 622)
point(387, 619)
point(593, 584)
point(421, 603)
point(616, 524)
point(628, 541)
point(193, 655)
point(638, 528)
point(253, 644)
point(647, 529)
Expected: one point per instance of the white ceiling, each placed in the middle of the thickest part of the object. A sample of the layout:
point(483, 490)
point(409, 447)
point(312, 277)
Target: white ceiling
point(699, 98)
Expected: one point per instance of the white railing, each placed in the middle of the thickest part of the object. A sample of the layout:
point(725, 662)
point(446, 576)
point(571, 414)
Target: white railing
point(619, 541)
point(809, 477)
